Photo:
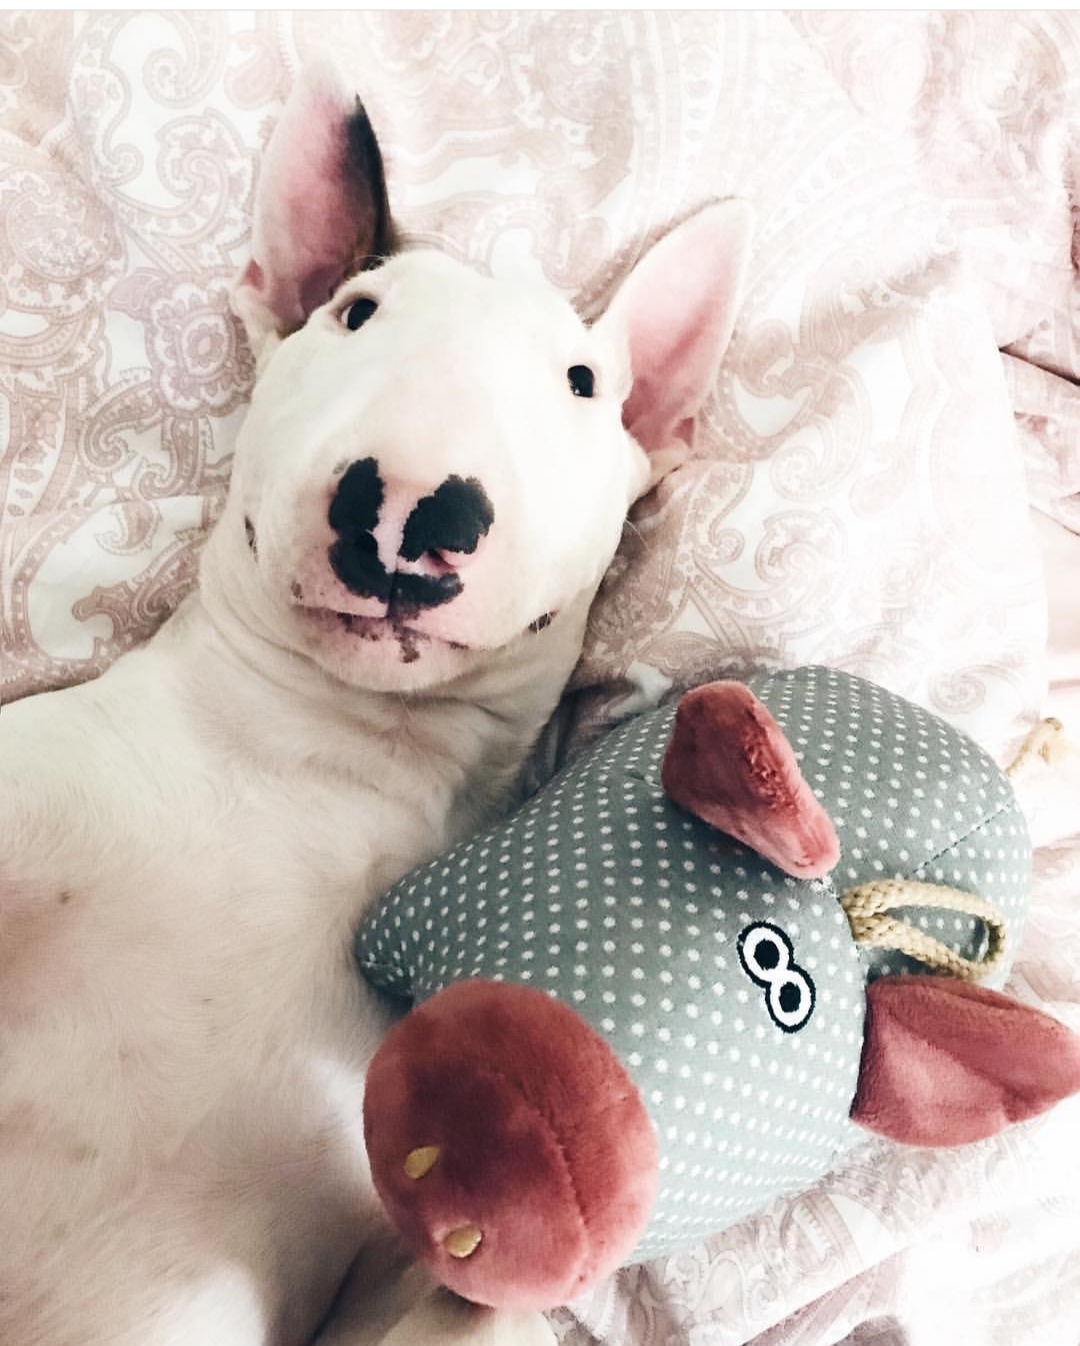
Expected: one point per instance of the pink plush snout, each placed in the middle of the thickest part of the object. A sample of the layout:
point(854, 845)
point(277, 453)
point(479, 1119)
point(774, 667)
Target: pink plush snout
point(508, 1144)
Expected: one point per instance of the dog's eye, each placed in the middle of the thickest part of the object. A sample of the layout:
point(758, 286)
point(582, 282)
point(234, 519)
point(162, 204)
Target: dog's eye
point(358, 312)
point(581, 380)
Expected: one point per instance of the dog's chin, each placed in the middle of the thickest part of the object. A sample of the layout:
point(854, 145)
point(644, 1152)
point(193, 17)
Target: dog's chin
point(379, 654)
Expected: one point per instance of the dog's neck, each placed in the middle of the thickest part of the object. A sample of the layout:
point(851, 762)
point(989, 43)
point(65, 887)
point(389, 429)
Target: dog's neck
point(276, 707)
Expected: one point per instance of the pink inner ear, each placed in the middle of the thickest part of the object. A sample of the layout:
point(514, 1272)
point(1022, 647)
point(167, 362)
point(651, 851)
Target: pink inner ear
point(678, 306)
point(946, 1063)
point(729, 763)
point(320, 200)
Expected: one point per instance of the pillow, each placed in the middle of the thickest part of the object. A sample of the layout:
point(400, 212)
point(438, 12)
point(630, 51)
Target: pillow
point(855, 495)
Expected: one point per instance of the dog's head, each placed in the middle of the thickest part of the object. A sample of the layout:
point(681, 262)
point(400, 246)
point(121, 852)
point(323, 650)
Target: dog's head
point(436, 464)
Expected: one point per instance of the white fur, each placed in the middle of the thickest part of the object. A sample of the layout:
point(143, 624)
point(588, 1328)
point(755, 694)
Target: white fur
point(189, 842)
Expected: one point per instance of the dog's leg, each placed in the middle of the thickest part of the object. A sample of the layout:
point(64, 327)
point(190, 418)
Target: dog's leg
point(388, 1301)
point(381, 1286)
point(444, 1320)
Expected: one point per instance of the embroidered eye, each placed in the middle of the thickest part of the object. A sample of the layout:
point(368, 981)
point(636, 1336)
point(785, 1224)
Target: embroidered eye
point(358, 312)
point(768, 958)
point(763, 949)
point(581, 380)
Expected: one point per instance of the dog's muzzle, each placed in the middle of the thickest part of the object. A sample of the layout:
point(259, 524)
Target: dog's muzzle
point(442, 530)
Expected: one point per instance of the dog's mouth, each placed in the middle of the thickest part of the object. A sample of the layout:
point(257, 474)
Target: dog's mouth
point(376, 630)
point(392, 627)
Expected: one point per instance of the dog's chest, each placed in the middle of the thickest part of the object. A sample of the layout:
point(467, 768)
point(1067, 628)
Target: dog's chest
point(191, 965)
point(185, 1033)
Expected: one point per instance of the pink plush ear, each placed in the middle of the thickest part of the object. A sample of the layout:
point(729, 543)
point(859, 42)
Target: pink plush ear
point(946, 1063)
point(678, 309)
point(320, 208)
point(729, 763)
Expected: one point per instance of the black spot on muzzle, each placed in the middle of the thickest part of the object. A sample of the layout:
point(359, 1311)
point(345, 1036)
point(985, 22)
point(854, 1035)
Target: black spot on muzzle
point(411, 593)
point(354, 512)
point(453, 518)
point(357, 500)
point(355, 561)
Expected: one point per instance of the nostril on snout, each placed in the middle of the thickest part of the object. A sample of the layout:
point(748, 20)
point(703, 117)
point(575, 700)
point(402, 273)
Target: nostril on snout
point(452, 519)
point(353, 515)
point(355, 505)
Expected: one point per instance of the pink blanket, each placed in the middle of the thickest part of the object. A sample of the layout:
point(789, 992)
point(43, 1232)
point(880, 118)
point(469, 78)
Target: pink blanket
point(859, 493)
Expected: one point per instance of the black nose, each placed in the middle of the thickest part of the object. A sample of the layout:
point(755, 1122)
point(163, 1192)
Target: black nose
point(452, 519)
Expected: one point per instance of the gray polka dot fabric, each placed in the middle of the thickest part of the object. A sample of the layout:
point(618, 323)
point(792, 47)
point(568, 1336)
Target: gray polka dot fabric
point(910, 797)
point(733, 994)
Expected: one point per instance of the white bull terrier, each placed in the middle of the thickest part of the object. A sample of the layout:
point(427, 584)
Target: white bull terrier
point(428, 487)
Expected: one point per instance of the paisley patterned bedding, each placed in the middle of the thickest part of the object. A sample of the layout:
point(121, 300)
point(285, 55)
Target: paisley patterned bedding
point(859, 493)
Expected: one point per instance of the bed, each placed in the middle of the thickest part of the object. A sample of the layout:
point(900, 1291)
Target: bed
point(887, 477)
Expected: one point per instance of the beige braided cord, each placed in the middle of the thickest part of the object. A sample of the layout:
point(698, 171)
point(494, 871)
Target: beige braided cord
point(1046, 740)
point(868, 905)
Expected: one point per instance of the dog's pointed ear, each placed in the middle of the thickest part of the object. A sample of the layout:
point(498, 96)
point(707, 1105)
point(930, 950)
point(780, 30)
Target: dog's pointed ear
point(321, 209)
point(677, 311)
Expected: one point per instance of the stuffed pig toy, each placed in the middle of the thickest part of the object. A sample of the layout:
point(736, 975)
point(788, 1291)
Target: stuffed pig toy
point(670, 985)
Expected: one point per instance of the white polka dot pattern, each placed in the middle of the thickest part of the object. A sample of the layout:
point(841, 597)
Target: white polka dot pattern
point(910, 797)
point(733, 993)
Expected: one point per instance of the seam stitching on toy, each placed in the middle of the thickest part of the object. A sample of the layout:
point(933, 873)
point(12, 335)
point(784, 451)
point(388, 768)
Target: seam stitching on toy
point(969, 833)
point(491, 1073)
